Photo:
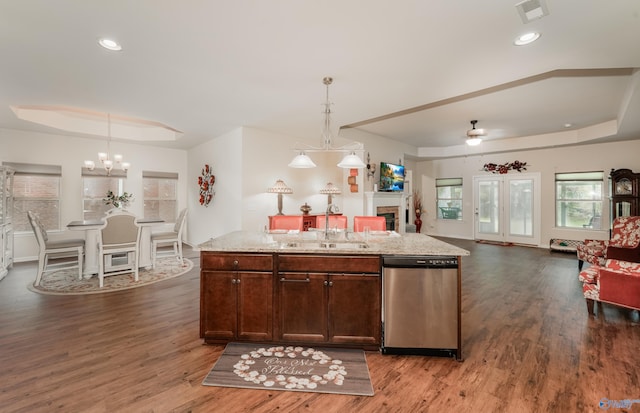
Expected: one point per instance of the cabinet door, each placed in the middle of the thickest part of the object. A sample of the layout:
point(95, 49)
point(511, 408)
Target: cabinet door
point(255, 306)
point(218, 305)
point(355, 309)
point(302, 307)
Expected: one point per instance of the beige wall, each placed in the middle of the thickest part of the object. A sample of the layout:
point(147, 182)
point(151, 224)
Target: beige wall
point(596, 157)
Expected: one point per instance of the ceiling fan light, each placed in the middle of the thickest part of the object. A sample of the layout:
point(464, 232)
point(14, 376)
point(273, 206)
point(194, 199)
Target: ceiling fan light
point(472, 133)
point(474, 141)
point(352, 161)
point(302, 161)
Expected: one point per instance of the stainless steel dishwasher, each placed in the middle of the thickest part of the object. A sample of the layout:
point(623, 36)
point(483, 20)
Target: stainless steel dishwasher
point(420, 306)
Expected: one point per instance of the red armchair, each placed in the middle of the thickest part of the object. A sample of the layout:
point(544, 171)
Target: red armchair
point(624, 244)
point(617, 283)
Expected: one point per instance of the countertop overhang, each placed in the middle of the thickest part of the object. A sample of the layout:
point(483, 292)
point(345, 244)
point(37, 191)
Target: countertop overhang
point(377, 243)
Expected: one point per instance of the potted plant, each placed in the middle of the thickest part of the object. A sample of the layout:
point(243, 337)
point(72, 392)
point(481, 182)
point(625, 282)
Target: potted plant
point(118, 200)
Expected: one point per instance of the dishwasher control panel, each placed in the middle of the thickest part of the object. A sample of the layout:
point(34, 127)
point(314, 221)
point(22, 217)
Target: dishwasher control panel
point(419, 262)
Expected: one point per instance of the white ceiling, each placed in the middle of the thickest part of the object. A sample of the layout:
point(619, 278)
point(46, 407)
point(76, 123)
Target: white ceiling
point(426, 68)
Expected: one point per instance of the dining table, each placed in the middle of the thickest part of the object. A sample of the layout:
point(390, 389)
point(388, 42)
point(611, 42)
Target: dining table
point(92, 228)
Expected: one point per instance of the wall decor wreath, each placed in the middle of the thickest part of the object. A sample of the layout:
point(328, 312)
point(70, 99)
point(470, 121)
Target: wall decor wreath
point(206, 181)
point(504, 168)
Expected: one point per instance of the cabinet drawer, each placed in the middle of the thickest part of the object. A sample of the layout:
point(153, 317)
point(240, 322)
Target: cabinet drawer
point(236, 262)
point(333, 263)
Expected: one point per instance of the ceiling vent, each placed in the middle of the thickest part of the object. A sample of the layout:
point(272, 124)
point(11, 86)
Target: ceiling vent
point(530, 10)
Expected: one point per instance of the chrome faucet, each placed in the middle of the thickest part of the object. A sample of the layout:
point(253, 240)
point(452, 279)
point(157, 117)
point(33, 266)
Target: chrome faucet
point(331, 209)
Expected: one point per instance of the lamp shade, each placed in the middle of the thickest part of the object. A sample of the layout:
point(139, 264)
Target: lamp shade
point(352, 161)
point(280, 188)
point(302, 161)
point(474, 141)
point(330, 189)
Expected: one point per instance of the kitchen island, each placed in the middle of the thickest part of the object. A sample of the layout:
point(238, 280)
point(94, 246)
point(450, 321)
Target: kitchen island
point(306, 288)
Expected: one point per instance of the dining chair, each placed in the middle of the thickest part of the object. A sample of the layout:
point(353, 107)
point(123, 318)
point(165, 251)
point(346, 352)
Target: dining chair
point(286, 222)
point(54, 250)
point(375, 223)
point(118, 245)
point(173, 238)
point(335, 221)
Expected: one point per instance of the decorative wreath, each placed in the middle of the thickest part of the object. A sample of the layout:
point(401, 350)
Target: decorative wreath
point(206, 182)
point(504, 168)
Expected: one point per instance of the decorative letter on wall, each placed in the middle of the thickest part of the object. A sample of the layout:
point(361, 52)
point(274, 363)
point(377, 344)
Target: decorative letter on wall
point(206, 182)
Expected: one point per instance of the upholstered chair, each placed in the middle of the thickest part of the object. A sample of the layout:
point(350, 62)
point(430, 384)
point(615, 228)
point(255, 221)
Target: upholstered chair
point(286, 222)
point(375, 223)
point(335, 221)
point(118, 245)
point(624, 244)
point(172, 238)
point(617, 283)
point(55, 249)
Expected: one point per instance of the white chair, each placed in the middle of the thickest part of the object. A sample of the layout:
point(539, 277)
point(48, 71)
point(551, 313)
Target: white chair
point(118, 245)
point(54, 250)
point(173, 238)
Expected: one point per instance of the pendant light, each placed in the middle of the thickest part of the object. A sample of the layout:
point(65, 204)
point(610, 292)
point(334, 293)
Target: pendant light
point(351, 159)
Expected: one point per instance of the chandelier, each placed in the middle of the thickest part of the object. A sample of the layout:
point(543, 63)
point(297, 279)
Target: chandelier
point(108, 162)
point(350, 161)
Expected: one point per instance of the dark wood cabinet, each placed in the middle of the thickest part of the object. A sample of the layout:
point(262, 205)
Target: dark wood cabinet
point(625, 200)
point(302, 307)
point(313, 299)
point(338, 301)
point(236, 297)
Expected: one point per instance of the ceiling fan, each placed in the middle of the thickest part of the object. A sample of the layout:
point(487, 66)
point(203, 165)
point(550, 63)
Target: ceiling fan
point(474, 135)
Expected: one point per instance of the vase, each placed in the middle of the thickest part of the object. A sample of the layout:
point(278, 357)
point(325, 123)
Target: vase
point(418, 223)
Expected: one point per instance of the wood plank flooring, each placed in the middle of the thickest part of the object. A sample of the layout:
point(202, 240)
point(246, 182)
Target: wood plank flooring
point(528, 344)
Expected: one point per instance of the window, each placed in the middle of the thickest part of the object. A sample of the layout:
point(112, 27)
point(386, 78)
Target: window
point(95, 185)
point(579, 199)
point(160, 190)
point(36, 188)
point(449, 198)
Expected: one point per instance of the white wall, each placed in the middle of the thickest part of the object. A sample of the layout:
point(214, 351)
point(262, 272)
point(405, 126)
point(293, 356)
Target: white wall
point(597, 157)
point(70, 153)
point(224, 156)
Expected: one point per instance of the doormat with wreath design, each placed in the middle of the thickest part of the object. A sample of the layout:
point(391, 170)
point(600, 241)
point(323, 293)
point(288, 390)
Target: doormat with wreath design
point(293, 368)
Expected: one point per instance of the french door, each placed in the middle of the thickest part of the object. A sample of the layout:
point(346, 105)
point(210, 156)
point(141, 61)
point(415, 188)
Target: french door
point(507, 208)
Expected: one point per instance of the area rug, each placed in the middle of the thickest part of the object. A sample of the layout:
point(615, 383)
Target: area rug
point(293, 368)
point(66, 282)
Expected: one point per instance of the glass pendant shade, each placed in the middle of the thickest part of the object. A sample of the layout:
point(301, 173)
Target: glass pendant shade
point(302, 161)
point(352, 161)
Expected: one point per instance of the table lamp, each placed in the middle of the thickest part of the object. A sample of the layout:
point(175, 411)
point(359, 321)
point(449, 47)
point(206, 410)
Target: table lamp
point(280, 188)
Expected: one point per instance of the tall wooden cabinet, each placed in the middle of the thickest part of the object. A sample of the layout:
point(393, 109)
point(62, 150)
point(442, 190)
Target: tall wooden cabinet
point(625, 197)
point(6, 218)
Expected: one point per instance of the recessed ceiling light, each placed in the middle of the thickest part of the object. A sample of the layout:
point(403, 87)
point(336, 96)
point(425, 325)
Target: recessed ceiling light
point(568, 125)
point(110, 44)
point(526, 38)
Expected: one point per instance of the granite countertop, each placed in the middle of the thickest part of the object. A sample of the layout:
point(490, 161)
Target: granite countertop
point(378, 242)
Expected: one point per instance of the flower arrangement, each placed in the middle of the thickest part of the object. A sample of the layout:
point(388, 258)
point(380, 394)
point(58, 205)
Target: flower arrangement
point(117, 200)
point(504, 168)
point(417, 203)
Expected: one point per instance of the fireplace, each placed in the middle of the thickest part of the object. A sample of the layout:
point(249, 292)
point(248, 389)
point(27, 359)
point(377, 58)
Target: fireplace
point(391, 214)
point(389, 205)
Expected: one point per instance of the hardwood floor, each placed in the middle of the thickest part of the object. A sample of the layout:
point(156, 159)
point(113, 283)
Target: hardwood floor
point(528, 344)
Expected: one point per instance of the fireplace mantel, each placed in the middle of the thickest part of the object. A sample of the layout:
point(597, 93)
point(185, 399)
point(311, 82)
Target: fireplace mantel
point(373, 200)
